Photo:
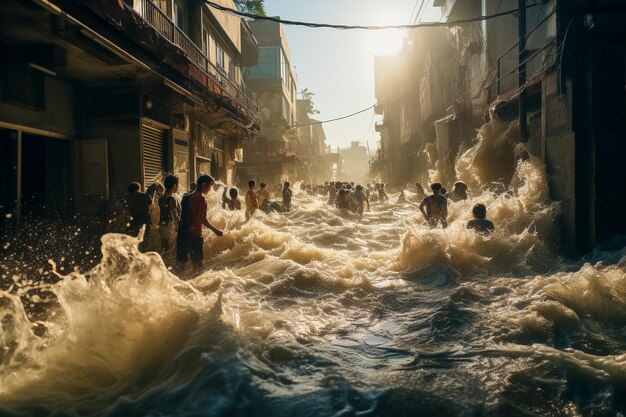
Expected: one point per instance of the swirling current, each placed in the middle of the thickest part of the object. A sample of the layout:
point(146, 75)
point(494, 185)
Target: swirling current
point(320, 313)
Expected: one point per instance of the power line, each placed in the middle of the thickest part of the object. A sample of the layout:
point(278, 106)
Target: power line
point(418, 16)
point(360, 111)
point(336, 119)
point(361, 27)
point(413, 12)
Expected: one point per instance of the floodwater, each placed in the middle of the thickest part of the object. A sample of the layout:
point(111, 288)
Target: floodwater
point(318, 313)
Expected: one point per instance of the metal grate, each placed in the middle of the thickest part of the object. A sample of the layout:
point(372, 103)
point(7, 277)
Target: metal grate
point(154, 140)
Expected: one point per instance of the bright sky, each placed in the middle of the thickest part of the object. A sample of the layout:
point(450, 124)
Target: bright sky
point(338, 66)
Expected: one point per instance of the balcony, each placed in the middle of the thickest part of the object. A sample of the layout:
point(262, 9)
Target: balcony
point(379, 126)
point(205, 72)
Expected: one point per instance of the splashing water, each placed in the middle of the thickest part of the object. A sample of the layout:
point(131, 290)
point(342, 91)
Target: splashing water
point(316, 312)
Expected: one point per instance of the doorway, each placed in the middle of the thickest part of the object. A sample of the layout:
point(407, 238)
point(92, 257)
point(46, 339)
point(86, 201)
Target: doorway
point(8, 180)
point(44, 175)
point(34, 180)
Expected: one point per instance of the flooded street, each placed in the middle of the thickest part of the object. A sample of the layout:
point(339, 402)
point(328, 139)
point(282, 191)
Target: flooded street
point(318, 313)
point(146, 271)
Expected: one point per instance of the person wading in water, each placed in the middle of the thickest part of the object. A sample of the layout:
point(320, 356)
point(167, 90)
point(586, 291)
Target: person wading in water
point(193, 218)
point(435, 207)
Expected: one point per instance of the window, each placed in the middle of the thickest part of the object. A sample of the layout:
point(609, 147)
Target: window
point(267, 66)
point(284, 68)
point(179, 15)
point(219, 57)
point(206, 43)
point(212, 49)
point(21, 84)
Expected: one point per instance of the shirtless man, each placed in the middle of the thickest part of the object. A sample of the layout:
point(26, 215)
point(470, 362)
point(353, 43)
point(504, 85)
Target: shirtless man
point(234, 203)
point(264, 198)
point(360, 199)
point(252, 199)
point(287, 194)
point(435, 207)
point(480, 222)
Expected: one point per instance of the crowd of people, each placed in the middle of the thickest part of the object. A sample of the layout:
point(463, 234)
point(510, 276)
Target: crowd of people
point(183, 219)
point(349, 197)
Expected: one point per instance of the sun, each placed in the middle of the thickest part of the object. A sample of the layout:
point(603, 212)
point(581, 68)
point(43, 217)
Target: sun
point(384, 42)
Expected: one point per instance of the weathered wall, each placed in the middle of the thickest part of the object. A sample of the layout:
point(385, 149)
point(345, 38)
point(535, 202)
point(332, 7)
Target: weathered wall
point(124, 152)
point(58, 115)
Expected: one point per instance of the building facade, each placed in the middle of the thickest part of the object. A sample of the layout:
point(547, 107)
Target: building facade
point(564, 93)
point(272, 156)
point(354, 163)
point(95, 95)
point(316, 166)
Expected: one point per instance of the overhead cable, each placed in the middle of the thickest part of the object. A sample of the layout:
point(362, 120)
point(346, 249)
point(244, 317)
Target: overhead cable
point(358, 112)
point(361, 27)
point(335, 119)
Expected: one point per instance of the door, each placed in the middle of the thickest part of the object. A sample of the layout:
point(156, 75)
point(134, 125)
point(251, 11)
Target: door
point(94, 175)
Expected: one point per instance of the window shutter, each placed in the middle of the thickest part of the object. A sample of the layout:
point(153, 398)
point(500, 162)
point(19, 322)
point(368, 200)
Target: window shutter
point(154, 144)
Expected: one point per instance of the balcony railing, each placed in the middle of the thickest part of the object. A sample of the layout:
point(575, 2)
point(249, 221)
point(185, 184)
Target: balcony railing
point(153, 15)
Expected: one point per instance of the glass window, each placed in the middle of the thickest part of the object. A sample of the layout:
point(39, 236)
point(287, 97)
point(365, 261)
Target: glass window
point(220, 62)
point(267, 67)
point(206, 48)
point(284, 68)
point(179, 15)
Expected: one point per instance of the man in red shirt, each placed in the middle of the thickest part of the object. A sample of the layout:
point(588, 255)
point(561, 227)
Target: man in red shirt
point(193, 217)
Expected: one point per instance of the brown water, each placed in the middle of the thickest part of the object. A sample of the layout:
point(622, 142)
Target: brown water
point(319, 313)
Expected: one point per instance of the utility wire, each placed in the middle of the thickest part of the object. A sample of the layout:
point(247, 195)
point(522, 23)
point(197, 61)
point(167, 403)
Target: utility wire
point(413, 12)
point(335, 119)
point(362, 27)
point(358, 112)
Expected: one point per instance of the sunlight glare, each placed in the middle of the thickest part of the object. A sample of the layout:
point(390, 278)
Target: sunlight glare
point(384, 42)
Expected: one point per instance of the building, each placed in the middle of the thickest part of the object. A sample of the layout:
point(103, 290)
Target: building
point(272, 156)
point(413, 90)
point(565, 92)
point(316, 166)
point(354, 163)
point(95, 95)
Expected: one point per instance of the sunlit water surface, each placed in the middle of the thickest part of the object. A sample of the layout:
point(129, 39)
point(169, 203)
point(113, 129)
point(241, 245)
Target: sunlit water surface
point(320, 313)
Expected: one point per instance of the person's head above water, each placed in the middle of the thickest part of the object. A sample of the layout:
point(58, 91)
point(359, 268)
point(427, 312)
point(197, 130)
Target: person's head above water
point(436, 187)
point(286, 184)
point(479, 211)
point(134, 187)
point(263, 185)
point(170, 182)
point(459, 186)
point(359, 187)
point(234, 193)
point(204, 183)
point(251, 183)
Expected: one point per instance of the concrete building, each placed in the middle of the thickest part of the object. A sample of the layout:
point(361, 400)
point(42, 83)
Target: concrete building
point(272, 156)
point(354, 163)
point(413, 90)
point(316, 166)
point(573, 102)
point(98, 94)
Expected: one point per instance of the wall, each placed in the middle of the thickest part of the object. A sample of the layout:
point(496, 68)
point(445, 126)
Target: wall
point(124, 152)
point(57, 116)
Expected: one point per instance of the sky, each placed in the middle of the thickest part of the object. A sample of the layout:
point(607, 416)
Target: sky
point(338, 66)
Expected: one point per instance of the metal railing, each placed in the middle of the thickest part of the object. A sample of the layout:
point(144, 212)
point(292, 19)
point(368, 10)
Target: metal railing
point(160, 21)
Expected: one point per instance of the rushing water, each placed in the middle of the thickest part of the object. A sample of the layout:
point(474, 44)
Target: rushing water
point(318, 313)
